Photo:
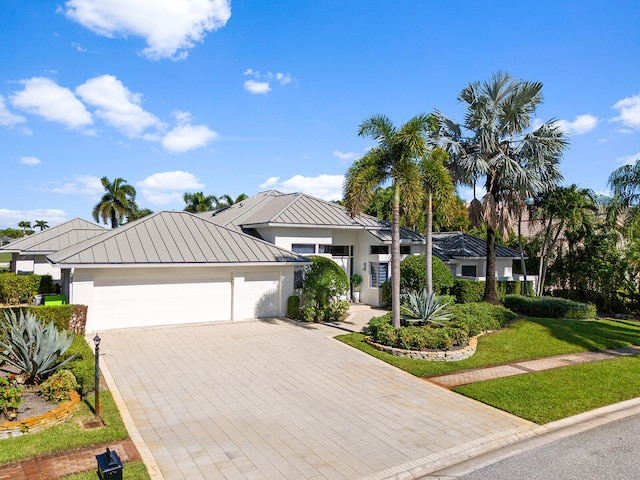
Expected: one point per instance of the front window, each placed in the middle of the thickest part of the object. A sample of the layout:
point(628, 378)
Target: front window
point(379, 274)
point(335, 250)
point(379, 249)
point(303, 248)
point(468, 270)
point(405, 249)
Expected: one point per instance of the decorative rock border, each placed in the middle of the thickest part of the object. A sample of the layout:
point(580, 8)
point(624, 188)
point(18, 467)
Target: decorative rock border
point(453, 355)
point(34, 424)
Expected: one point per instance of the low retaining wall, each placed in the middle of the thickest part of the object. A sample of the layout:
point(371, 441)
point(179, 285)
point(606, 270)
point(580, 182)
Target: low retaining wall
point(34, 424)
point(453, 355)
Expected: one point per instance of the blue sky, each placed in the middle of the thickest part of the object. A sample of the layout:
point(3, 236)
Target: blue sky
point(237, 97)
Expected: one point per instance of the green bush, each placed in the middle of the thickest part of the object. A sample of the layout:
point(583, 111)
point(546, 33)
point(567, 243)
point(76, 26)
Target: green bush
point(512, 287)
point(467, 291)
point(324, 285)
point(479, 317)
point(293, 307)
point(64, 317)
point(82, 365)
point(413, 278)
point(549, 307)
point(17, 289)
point(56, 388)
point(46, 284)
point(385, 295)
point(420, 338)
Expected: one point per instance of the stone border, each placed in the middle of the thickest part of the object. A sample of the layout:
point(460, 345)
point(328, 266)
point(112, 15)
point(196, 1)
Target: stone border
point(35, 424)
point(453, 355)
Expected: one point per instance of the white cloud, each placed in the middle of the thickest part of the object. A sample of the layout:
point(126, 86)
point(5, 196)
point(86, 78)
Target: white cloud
point(10, 218)
point(30, 161)
point(87, 185)
point(257, 87)
point(169, 27)
point(42, 96)
point(78, 47)
point(168, 187)
point(271, 181)
point(628, 159)
point(7, 118)
point(283, 79)
point(345, 155)
point(581, 124)
point(629, 108)
point(185, 136)
point(116, 105)
point(326, 187)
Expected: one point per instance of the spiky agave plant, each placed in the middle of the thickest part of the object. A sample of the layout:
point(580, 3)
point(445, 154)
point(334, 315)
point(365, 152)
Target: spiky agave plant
point(424, 307)
point(32, 348)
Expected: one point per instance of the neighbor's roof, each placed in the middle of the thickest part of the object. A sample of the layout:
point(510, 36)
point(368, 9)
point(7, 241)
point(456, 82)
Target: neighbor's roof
point(273, 208)
point(172, 238)
point(55, 238)
point(450, 245)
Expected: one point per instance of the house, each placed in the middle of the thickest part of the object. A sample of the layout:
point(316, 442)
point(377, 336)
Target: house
point(175, 267)
point(309, 226)
point(29, 254)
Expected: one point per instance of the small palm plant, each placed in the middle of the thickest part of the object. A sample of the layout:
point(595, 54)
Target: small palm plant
point(32, 348)
point(424, 308)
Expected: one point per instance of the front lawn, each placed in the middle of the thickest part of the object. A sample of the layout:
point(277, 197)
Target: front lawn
point(550, 395)
point(522, 340)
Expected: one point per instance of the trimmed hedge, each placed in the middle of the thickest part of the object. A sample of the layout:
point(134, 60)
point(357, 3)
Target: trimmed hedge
point(293, 307)
point(470, 291)
point(413, 275)
point(83, 365)
point(64, 317)
point(480, 317)
point(549, 307)
point(17, 289)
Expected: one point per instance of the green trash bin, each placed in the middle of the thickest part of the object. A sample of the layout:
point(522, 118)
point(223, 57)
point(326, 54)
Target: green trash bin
point(54, 300)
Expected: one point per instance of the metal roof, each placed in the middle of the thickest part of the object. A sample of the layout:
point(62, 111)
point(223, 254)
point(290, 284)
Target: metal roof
point(55, 238)
point(175, 237)
point(459, 244)
point(273, 208)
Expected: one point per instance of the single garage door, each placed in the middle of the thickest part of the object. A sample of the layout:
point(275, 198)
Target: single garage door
point(148, 297)
point(262, 294)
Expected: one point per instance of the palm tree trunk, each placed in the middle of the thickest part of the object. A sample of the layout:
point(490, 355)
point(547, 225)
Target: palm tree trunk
point(490, 291)
point(395, 257)
point(428, 251)
point(523, 264)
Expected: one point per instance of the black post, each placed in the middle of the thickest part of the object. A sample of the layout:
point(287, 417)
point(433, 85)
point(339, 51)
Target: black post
point(98, 410)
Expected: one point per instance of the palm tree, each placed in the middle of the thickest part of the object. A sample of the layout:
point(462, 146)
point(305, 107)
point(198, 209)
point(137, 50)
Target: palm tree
point(392, 159)
point(198, 202)
point(41, 224)
point(493, 144)
point(438, 186)
point(138, 213)
point(227, 200)
point(117, 203)
point(625, 185)
point(24, 225)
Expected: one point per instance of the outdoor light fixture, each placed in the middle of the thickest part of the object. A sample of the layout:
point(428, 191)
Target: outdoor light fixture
point(109, 464)
point(96, 342)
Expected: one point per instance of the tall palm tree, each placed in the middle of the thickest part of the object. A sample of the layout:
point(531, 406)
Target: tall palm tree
point(439, 187)
point(24, 225)
point(625, 185)
point(227, 200)
point(494, 144)
point(199, 202)
point(118, 201)
point(41, 224)
point(393, 160)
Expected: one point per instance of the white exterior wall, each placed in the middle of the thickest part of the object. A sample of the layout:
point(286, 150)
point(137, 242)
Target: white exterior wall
point(139, 297)
point(43, 267)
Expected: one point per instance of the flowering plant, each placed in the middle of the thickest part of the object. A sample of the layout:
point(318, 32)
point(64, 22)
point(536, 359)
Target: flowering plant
point(10, 393)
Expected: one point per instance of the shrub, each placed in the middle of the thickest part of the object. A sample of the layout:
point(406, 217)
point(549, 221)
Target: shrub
point(82, 364)
point(16, 289)
point(479, 317)
point(412, 275)
point(420, 337)
point(549, 307)
point(467, 291)
point(376, 322)
point(385, 295)
point(32, 348)
point(424, 307)
point(293, 307)
point(56, 388)
point(324, 283)
point(46, 284)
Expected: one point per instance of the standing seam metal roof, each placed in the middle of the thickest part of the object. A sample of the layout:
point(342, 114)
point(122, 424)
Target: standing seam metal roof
point(55, 238)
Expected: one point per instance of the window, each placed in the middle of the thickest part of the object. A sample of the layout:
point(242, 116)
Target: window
point(298, 277)
point(379, 249)
point(303, 248)
point(379, 274)
point(335, 250)
point(405, 249)
point(469, 270)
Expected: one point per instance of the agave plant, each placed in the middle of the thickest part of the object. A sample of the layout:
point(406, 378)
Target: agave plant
point(424, 307)
point(32, 348)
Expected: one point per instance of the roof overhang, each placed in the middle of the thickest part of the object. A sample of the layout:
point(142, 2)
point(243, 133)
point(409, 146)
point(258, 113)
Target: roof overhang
point(174, 265)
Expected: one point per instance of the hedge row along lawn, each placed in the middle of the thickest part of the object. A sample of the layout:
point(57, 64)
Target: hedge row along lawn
point(545, 396)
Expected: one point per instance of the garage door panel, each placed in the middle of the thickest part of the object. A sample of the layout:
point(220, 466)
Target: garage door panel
point(262, 292)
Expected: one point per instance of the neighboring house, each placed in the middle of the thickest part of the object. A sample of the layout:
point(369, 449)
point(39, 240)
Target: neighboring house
point(29, 254)
point(466, 256)
point(176, 267)
point(310, 226)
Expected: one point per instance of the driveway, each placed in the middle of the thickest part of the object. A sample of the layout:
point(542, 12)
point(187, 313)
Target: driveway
point(280, 400)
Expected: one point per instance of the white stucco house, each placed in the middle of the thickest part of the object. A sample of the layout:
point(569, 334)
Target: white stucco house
point(29, 254)
point(175, 267)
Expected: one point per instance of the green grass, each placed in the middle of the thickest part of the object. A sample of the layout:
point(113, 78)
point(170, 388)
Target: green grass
point(5, 257)
point(131, 471)
point(523, 339)
point(68, 435)
point(554, 394)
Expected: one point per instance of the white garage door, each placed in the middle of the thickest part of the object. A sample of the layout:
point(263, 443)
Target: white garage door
point(147, 297)
point(262, 295)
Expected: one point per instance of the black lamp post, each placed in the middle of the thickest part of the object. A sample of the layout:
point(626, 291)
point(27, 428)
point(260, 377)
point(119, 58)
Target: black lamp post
point(96, 341)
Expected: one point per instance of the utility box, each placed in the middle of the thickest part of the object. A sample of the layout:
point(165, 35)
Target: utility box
point(109, 465)
point(54, 299)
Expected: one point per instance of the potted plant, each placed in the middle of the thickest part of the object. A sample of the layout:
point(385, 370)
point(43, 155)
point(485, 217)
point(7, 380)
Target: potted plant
point(356, 281)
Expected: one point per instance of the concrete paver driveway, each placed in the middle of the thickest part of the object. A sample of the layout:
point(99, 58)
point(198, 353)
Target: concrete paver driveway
point(280, 400)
